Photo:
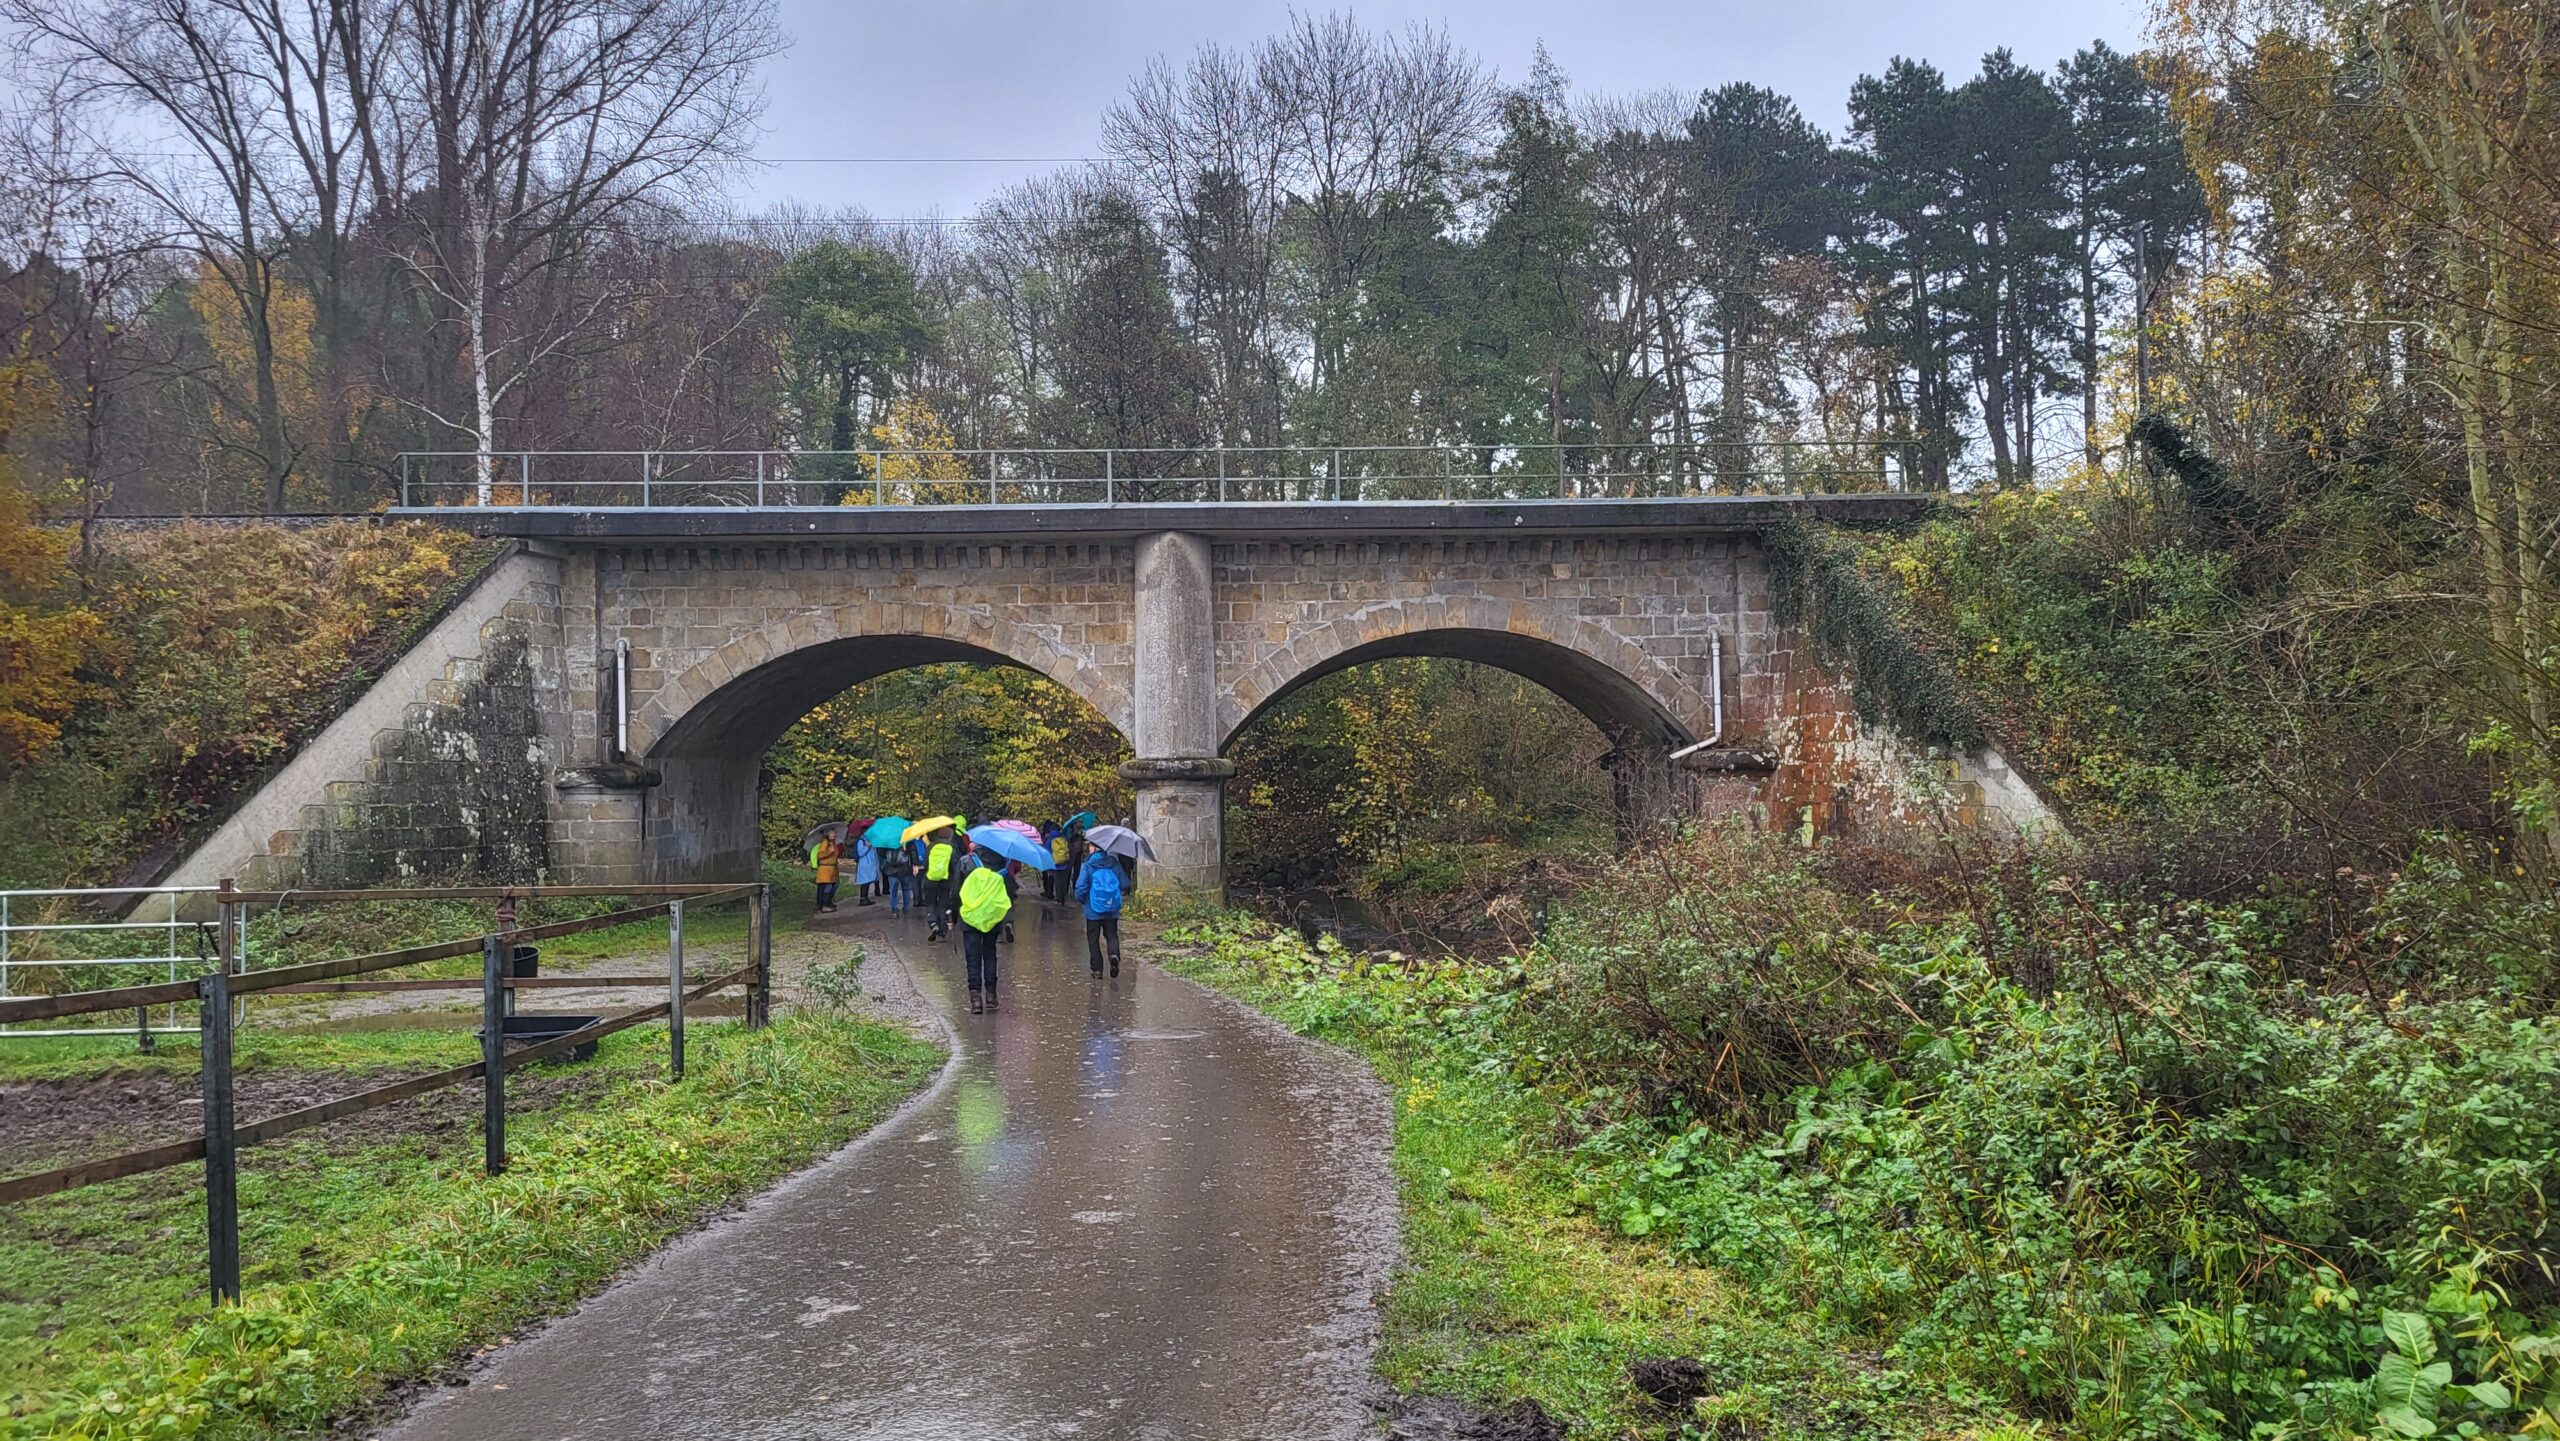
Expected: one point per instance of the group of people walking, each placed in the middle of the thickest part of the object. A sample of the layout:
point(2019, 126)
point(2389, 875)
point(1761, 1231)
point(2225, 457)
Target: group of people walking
point(965, 883)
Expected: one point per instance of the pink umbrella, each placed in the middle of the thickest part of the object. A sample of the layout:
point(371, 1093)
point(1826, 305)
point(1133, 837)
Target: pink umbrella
point(1020, 828)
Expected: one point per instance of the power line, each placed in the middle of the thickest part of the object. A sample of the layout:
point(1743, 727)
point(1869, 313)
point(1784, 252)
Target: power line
point(928, 159)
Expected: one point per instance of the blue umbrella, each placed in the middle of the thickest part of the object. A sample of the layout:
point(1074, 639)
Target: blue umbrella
point(1084, 819)
point(884, 832)
point(1012, 845)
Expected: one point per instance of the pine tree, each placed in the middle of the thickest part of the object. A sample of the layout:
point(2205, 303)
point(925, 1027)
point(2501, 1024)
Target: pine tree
point(2009, 136)
point(1905, 251)
point(2132, 198)
point(1764, 190)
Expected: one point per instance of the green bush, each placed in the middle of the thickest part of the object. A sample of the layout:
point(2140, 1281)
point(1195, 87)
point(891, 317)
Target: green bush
point(2174, 1197)
point(2115, 1164)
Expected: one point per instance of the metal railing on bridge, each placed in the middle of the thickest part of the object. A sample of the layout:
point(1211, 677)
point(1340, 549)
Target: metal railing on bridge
point(777, 479)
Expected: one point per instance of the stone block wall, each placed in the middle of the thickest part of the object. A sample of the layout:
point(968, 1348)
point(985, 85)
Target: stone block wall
point(440, 772)
point(731, 644)
point(1622, 626)
point(701, 617)
point(1838, 776)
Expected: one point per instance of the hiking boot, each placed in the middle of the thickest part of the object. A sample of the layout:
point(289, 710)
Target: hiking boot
point(977, 1001)
point(1115, 965)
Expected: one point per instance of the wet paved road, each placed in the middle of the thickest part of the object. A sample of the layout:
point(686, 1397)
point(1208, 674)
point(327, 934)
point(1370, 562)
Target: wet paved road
point(1129, 1209)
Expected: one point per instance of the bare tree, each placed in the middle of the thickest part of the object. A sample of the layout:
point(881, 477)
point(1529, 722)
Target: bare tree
point(78, 256)
point(527, 128)
point(1363, 121)
point(205, 78)
point(1023, 259)
point(1205, 149)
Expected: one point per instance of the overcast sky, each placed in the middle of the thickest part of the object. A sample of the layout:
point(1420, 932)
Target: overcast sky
point(939, 88)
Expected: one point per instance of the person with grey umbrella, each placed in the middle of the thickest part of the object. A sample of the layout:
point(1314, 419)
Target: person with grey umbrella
point(1100, 892)
point(1102, 888)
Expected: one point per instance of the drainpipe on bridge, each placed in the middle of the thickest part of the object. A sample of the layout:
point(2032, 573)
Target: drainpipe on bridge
point(1181, 779)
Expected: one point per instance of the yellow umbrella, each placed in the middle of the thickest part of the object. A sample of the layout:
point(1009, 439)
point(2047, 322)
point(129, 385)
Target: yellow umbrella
point(926, 827)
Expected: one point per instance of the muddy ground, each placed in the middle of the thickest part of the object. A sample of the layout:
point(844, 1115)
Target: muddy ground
point(57, 1122)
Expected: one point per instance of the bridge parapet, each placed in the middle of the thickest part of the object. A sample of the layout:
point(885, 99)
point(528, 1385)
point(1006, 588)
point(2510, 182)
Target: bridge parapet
point(1200, 475)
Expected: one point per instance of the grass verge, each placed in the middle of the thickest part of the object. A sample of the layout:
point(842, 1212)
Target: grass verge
point(377, 1256)
point(1510, 1290)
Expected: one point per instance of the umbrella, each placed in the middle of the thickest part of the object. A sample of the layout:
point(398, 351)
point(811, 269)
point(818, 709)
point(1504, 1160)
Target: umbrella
point(1085, 819)
point(926, 827)
point(1012, 846)
point(886, 832)
point(1023, 828)
point(1121, 841)
point(818, 833)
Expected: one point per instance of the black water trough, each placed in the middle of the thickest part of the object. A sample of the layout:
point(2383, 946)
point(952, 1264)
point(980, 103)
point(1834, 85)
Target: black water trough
point(533, 1030)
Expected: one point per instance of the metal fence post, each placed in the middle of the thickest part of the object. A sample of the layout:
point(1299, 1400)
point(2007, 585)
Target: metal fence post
point(759, 480)
point(1106, 475)
point(760, 994)
point(221, 1162)
point(675, 991)
point(493, 1055)
point(1222, 475)
point(644, 478)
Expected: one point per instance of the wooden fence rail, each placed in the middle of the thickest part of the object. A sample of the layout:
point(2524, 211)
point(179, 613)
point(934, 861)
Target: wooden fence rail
point(219, 1146)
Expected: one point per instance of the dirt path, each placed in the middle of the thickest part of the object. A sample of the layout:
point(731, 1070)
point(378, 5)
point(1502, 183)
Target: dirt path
point(1129, 1208)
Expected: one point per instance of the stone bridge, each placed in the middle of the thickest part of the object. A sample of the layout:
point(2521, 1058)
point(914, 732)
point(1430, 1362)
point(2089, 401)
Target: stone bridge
point(597, 709)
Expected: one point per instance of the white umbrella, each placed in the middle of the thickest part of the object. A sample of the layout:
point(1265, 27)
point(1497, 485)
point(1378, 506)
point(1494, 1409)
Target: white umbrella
point(1121, 841)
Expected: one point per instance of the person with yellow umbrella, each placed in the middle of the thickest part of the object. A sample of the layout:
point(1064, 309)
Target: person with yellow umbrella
point(939, 898)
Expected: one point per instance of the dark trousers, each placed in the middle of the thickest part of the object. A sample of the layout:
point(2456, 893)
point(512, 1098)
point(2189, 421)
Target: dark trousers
point(937, 904)
point(979, 948)
point(1098, 931)
point(826, 895)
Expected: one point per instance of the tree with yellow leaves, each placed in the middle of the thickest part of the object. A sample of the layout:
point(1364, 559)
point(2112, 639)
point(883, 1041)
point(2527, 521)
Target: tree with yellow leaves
point(918, 462)
point(2386, 179)
point(260, 399)
point(42, 644)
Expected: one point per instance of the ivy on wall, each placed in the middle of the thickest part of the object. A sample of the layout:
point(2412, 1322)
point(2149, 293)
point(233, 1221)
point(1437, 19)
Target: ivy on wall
point(1855, 625)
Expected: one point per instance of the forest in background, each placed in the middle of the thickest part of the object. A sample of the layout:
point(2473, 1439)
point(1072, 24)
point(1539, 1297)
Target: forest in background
point(2304, 592)
point(251, 253)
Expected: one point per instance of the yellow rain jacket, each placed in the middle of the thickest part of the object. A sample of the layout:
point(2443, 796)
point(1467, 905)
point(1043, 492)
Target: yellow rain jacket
point(984, 899)
point(937, 863)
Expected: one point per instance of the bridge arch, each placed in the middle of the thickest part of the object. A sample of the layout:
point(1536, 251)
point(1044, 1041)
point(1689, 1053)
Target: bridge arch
point(1636, 700)
point(742, 696)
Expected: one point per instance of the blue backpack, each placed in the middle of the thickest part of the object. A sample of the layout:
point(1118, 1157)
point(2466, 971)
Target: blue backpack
point(1102, 892)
